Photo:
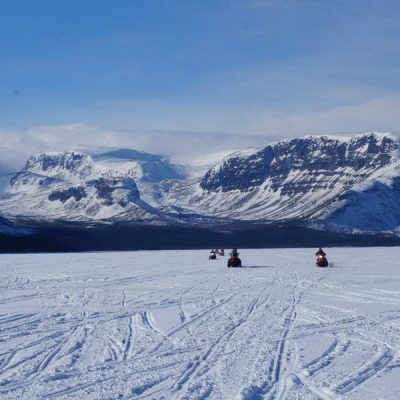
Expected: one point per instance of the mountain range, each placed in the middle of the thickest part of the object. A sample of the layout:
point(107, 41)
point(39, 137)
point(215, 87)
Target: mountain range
point(343, 184)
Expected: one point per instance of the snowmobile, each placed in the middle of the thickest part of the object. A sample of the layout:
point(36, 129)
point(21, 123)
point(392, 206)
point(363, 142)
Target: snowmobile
point(222, 252)
point(234, 260)
point(322, 261)
point(212, 256)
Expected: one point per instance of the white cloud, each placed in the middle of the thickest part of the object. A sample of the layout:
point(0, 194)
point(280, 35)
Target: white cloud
point(202, 130)
point(379, 113)
point(17, 146)
point(373, 115)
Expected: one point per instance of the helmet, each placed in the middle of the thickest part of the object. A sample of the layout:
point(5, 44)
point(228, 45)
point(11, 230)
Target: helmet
point(234, 252)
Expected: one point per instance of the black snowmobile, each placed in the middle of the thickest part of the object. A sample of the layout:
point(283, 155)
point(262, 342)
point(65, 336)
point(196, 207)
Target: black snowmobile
point(212, 255)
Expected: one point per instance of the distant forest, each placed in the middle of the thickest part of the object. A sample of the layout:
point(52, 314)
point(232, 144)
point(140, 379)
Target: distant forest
point(70, 237)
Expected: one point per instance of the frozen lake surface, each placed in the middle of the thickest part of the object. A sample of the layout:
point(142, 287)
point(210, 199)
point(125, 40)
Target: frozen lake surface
point(173, 325)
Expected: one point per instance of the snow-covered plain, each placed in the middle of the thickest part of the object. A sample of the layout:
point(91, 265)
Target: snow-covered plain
point(173, 325)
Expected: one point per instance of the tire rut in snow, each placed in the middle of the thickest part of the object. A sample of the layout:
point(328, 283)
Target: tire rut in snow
point(203, 363)
point(375, 365)
point(337, 349)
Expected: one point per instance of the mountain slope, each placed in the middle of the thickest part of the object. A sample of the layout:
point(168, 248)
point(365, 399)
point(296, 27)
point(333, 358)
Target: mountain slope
point(11, 229)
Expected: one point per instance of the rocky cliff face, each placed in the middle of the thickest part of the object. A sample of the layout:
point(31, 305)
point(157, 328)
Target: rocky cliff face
point(321, 161)
point(70, 165)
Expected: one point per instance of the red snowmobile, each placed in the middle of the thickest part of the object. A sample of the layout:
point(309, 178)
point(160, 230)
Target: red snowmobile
point(322, 261)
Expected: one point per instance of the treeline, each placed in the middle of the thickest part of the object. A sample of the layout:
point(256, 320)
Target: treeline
point(69, 237)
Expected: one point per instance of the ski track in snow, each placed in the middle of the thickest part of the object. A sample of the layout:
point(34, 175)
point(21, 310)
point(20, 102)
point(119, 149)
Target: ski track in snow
point(173, 325)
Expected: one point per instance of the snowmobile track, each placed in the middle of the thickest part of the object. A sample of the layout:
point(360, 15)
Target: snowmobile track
point(72, 327)
point(375, 365)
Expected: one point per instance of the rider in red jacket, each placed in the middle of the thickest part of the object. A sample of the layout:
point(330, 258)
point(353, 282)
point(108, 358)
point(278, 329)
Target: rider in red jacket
point(320, 252)
point(321, 258)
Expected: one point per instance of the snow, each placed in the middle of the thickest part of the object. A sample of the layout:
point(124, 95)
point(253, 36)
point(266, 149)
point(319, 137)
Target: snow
point(173, 325)
point(4, 182)
point(205, 160)
point(197, 166)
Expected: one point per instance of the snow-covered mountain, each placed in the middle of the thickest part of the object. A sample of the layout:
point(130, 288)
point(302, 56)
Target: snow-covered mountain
point(344, 183)
point(350, 182)
point(75, 185)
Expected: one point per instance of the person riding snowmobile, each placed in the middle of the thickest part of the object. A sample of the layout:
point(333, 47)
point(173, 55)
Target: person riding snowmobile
point(320, 252)
point(212, 255)
point(222, 252)
point(322, 261)
point(234, 260)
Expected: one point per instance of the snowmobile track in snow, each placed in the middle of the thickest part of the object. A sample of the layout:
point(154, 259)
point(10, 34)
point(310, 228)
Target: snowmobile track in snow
point(170, 325)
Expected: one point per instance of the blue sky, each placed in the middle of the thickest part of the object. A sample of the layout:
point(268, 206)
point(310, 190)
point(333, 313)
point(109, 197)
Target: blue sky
point(255, 67)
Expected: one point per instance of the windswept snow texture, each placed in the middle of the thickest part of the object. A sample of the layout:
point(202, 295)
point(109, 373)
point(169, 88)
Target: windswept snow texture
point(173, 325)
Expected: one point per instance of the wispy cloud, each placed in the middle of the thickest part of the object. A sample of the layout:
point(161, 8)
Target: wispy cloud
point(374, 115)
point(203, 130)
point(17, 146)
